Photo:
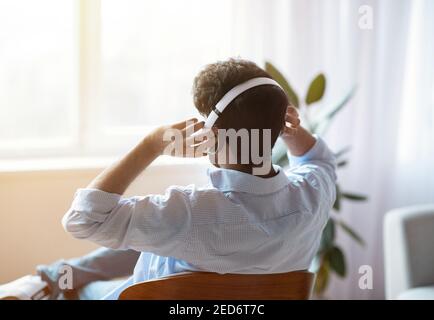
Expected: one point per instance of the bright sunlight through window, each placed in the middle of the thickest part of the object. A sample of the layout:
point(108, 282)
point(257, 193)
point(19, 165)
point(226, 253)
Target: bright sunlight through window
point(87, 77)
point(38, 67)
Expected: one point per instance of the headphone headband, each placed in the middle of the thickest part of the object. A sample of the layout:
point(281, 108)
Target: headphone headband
point(232, 94)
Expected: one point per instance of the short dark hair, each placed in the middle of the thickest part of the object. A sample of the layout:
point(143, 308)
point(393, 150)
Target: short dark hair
point(261, 107)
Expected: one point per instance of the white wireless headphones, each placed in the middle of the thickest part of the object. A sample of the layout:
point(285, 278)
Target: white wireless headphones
point(232, 94)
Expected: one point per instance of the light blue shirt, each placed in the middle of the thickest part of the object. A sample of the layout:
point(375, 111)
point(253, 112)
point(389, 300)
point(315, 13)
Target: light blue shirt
point(239, 223)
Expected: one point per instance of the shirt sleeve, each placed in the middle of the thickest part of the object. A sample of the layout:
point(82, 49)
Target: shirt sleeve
point(154, 223)
point(314, 175)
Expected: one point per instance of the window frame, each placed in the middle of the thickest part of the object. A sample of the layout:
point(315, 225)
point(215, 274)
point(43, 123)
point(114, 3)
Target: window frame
point(86, 135)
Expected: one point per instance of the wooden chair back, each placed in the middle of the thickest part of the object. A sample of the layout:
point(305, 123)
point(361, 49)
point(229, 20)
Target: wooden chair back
point(295, 285)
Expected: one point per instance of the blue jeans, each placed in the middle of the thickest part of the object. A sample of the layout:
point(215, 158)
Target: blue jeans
point(93, 275)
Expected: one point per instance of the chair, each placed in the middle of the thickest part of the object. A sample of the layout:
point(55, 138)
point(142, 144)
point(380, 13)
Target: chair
point(409, 253)
point(296, 285)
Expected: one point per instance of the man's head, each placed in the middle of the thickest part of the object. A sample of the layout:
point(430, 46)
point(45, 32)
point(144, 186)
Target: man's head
point(262, 107)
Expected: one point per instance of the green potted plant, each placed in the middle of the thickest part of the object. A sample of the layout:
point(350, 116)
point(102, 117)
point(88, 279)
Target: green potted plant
point(330, 257)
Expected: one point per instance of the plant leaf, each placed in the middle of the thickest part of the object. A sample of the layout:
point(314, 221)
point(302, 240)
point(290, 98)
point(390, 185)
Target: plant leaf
point(352, 233)
point(279, 155)
point(280, 79)
point(341, 104)
point(337, 261)
point(342, 163)
point(337, 204)
point(322, 125)
point(328, 236)
point(316, 89)
point(322, 277)
point(353, 196)
point(282, 161)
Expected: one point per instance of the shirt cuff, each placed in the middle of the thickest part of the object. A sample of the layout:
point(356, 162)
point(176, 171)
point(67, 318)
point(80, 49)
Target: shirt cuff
point(94, 201)
point(319, 151)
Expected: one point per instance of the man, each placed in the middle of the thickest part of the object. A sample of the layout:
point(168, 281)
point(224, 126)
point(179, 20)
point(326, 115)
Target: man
point(244, 221)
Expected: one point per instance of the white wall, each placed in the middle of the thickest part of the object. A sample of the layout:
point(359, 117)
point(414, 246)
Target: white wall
point(32, 204)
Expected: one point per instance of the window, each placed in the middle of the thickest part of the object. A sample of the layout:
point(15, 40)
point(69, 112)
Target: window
point(38, 65)
point(90, 77)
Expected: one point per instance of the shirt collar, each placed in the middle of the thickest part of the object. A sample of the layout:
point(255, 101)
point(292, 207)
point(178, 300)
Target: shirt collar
point(232, 180)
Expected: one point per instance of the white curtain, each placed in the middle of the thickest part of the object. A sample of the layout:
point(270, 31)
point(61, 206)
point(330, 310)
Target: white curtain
point(389, 123)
